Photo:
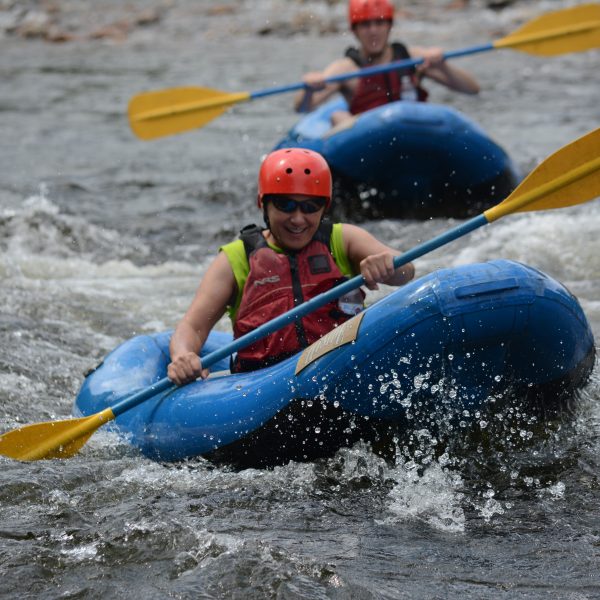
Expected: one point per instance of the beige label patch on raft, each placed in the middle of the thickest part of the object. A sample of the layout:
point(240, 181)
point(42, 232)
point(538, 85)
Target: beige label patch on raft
point(344, 334)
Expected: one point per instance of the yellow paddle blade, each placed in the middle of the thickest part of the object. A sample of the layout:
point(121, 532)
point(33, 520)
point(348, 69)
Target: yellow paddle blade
point(569, 30)
point(166, 112)
point(568, 177)
point(53, 439)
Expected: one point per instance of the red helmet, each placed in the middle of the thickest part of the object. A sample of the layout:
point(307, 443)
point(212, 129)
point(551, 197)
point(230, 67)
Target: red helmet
point(369, 10)
point(295, 171)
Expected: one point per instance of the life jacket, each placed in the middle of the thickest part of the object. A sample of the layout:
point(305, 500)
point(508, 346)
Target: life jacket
point(381, 88)
point(278, 282)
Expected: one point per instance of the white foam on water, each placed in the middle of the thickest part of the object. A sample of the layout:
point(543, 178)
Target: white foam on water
point(65, 258)
point(432, 497)
point(10, 380)
point(40, 228)
point(186, 477)
point(209, 548)
point(543, 240)
point(80, 553)
point(555, 491)
point(45, 244)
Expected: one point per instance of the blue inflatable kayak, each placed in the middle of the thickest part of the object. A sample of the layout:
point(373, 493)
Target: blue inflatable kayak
point(448, 346)
point(407, 159)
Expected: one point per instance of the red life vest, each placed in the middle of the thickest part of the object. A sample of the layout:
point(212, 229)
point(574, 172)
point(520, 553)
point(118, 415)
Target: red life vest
point(379, 89)
point(277, 283)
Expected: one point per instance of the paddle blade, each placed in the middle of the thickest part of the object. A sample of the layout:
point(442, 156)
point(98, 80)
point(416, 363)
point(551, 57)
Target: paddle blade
point(570, 30)
point(167, 112)
point(53, 439)
point(568, 177)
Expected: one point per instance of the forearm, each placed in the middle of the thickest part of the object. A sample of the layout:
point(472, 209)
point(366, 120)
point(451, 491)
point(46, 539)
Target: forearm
point(437, 68)
point(214, 292)
point(316, 89)
point(454, 78)
point(186, 339)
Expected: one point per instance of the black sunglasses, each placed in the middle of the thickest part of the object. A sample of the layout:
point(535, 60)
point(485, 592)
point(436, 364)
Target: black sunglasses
point(288, 205)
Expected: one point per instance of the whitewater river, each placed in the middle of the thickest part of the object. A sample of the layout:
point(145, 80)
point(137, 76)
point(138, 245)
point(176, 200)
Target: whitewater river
point(103, 236)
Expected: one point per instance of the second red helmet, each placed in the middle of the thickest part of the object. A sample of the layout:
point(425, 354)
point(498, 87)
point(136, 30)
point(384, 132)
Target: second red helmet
point(295, 171)
point(370, 10)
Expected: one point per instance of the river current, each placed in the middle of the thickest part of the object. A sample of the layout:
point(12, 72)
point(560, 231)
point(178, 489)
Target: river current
point(103, 236)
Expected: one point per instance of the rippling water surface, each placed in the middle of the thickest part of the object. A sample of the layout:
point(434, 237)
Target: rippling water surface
point(103, 236)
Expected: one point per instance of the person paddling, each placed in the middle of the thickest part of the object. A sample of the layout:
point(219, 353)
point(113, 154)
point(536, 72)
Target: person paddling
point(371, 22)
point(268, 271)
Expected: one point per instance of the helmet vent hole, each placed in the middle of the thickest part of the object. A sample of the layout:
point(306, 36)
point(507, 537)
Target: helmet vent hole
point(289, 170)
point(307, 171)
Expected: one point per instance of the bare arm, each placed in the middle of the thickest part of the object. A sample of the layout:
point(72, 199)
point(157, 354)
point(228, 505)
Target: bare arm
point(214, 293)
point(374, 259)
point(436, 68)
point(318, 91)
